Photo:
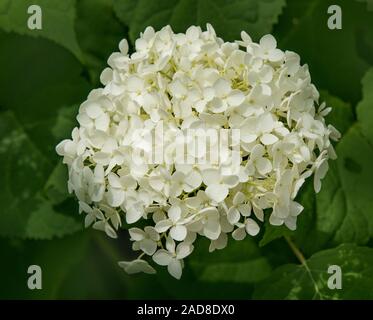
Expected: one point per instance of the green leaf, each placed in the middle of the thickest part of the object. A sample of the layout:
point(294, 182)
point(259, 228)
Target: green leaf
point(231, 264)
point(57, 21)
point(98, 32)
point(236, 268)
point(365, 107)
point(25, 169)
point(346, 209)
point(369, 4)
point(310, 280)
point(333, 56)
point(344, 205)
point(65, 122)
point(273, 232)
point(55, 188)
point(46, 85)
point(27, 143)
point(228, 17)
point(341, 116)
point(46, 223)
point(75, 267)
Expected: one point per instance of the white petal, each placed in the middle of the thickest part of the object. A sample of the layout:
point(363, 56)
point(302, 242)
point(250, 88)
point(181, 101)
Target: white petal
point(110, 231)
point(98, 214)
point(157, 183)
point(238, 198)
point(212, 229)
point(211, 176)
point(183, 250)
point(233, 215)
point(320, 173)
point(245, 209)
point(235, 98)
point(275, 221)
point(163, 225)
point(239, 234)
point(295, 208)
point(148, 246)
point(174, 213)
point(106, 76)
point(178, 232)
point(252, 228)
point(136, 266)
point(102, 122)
point(275, 55)
point(115, 197)
point(135, 84)
point(258, 213)
point(231, 181)
point(136, 234)
point(267, 123)
point(170, 245)
point(222, 87)
point(174, 268)
point(216, 105)
point(263, 165)
point(291, 223)
point(133, 215)
point(123, 46)
point(257, 152)
point(193, 33)
point(248, 137)
point(162, 257)
point(192, 181)
point(99, 174)
point(93, 110)
point(268, 139)
point(217, 192)
point(99, 225)
point(219, 243)
point(60, 148)
point(152, 233)
point(84, 207)
point(88, 220)
point(268, 42)
point(114, 180)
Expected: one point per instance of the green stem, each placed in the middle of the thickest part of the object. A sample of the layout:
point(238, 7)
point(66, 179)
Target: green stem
point(296, 251)
point(303, 261)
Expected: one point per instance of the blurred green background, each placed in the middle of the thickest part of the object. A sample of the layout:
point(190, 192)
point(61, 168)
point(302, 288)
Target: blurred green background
point(45, 75)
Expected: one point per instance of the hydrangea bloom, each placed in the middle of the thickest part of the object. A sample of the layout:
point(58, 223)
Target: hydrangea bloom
point(196, 81)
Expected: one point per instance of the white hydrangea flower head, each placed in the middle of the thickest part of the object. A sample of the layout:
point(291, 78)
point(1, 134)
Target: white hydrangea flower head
point(191, 83)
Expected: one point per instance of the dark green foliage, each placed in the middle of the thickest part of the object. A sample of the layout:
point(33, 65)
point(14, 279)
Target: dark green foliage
point(46, 74)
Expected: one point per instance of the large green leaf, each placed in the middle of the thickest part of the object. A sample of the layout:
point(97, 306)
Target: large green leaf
point(344, 205)
point(345, 208)
point(240, 262)
point(36, 82)
point(228, 17)
point(365, 107)
point(230, 273)
point(310, 280)
point(98, 33)
point(334, 56)
point(24, 168)
point(51, 78)
point(75, 267)
point(58, 19)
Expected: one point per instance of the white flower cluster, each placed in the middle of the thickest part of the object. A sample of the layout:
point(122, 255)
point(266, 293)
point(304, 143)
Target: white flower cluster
point(196, 80)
